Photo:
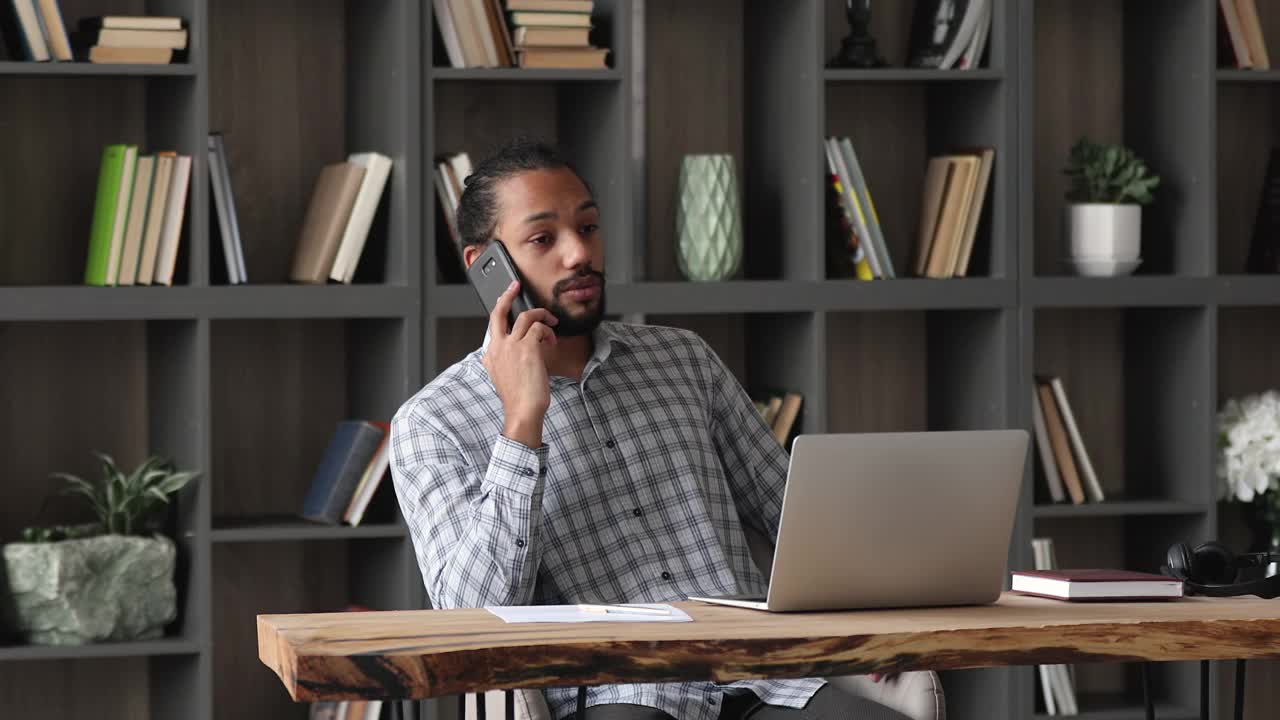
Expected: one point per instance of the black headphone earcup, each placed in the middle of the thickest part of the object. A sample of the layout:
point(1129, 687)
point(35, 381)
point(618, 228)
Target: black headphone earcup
point(1178, 560)
point(1212, 563)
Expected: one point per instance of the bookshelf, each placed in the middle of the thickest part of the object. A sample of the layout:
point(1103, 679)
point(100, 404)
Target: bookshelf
point(246, 381)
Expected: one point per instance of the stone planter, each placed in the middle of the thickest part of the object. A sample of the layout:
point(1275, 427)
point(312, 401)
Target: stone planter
point(103, 588)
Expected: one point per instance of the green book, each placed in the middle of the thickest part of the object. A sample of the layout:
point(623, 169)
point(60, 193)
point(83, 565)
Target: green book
point(104, 211)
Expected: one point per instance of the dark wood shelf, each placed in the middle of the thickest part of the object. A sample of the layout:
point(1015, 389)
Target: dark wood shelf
point(156, 302)
point(79, 69)
point(895, 75)
point(1125, 291)
point(525, 74)
point(1119, 508)
point(1258, 290)
point(1231, 75)
point(276, 529)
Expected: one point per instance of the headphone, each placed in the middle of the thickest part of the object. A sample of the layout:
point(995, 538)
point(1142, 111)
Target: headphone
point(1212, 569)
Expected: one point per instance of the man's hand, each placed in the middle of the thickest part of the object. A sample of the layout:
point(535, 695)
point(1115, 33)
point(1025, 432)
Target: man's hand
point(514, 362)
point(887, 677)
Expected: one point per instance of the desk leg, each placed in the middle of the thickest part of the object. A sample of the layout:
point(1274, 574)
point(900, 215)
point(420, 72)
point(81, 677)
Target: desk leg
point(480, 706)
point(1204, 690)
point(1147, 700)
point(1240, 689)
point(582, 702)
point(511, 705)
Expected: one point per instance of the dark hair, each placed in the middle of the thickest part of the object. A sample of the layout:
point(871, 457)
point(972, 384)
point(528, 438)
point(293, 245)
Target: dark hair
point(478, 206)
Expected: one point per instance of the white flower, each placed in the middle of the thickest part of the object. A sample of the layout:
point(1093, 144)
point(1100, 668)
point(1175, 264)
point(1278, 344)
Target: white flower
point(1249, 428)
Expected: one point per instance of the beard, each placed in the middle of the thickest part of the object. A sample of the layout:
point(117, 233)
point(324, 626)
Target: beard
point(568, 325)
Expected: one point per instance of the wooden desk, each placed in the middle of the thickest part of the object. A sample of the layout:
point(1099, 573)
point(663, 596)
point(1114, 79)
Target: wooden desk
point(429, 653)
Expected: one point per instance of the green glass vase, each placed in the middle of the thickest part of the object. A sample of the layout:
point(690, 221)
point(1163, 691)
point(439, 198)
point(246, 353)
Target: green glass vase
point(708, 218)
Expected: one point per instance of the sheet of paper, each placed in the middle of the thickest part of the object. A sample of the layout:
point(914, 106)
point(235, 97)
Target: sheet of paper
point(571, 614)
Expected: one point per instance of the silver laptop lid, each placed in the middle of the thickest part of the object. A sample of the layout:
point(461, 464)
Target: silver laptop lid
point(906, 519)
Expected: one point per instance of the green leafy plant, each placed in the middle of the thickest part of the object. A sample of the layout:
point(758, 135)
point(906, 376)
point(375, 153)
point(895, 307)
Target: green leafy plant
point(1108, 173)
point(122, 503)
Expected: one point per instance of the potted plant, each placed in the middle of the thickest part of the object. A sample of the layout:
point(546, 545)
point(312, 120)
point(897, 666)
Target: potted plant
point(108, 580)
point(1248, 463)
point(1109, 186)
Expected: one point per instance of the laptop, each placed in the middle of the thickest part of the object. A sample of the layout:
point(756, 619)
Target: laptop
point(884, 520)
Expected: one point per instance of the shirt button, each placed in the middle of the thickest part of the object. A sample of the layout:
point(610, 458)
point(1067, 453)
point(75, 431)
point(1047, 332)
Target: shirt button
point(520, 542)
point(542, 472)
point(666, 575)
point(609, 444)
point(527, 471)
point(711, 701)
point(636, 512)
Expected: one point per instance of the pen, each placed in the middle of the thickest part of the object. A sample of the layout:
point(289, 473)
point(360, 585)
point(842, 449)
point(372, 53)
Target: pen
point(623, 609)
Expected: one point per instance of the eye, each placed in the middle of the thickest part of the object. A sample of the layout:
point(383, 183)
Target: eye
point(589, 228)
point(540, 239)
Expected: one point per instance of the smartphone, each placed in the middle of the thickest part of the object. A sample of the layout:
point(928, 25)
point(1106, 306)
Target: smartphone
point(491, 274)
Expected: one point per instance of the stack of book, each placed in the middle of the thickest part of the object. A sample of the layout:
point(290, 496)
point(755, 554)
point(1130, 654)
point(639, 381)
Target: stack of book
point(554, 34)
point(343, 204)
point(1240, 40)
point(1063, 456)
point(151, 40)
point(349, 473)
point(955, 193)
point(780, 409)
point(137, 217)
point(531, 34)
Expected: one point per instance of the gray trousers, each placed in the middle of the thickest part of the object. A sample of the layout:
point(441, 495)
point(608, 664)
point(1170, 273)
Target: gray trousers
point(829, 703)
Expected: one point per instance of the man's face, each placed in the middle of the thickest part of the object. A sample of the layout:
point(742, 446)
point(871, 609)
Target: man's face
point(550, 225)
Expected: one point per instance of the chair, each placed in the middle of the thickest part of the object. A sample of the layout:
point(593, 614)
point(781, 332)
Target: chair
point(916, 695)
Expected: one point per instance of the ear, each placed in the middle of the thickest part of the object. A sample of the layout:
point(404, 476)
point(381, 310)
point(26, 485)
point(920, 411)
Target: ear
point(470, 253)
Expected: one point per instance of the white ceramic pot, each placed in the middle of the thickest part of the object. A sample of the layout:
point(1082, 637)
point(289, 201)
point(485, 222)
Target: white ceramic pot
point(1104, 239)
point(1104, 231)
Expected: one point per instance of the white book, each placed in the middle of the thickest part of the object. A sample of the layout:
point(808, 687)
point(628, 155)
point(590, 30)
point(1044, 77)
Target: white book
point(127, 269)
point(1082, 455)
point(171, 230)
point(968, 26)
point(122, 214)
point(449, 33)
point(155, 219)
point(31, 28)
point(377, 169)
point(863, 191)
point(861, 214)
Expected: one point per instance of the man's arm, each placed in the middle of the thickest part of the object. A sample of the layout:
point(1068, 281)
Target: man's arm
point(755, 463)
point(476, 530)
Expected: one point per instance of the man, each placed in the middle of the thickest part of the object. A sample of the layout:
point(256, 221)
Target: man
point(570, 459)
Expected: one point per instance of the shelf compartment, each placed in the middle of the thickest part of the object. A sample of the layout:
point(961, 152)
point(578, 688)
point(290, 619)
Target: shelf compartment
point(1159, 109)
point(1248, 118)
point(65, 122)
point(303, 577)
point(327, 80)
point(279, 389)
point(891, 25)
point(1117, 365)
point(91, 681)
point(913, 371)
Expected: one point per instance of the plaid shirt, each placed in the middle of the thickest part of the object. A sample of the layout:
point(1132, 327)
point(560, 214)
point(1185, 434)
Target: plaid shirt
point(647, 467)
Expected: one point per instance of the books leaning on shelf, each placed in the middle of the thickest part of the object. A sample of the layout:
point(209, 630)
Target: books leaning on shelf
point(1240, 41)
point(224, 206)
point(868, 252)
point(33, 30)
point(954, 196)
point(345, 200)
point(137, 217)
point(532, 33)
point(450, 176)
point(349, 473)
point(1063, 455)
point(780, 410)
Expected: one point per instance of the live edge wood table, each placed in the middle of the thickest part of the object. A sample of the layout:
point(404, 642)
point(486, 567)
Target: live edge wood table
point(415, 654)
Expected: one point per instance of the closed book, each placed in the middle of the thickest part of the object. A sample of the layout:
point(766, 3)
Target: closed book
point(326, 220)
point(110, 172)
point(350, 449)
point(1095, 584)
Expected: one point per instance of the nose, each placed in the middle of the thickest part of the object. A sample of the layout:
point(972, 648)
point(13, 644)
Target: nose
point(577, 249)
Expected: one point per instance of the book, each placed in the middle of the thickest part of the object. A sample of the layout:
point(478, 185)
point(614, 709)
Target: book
point(1095, 584)
point(377, 168)
point(110, 175)
point(335, 194)
point(351, 448)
